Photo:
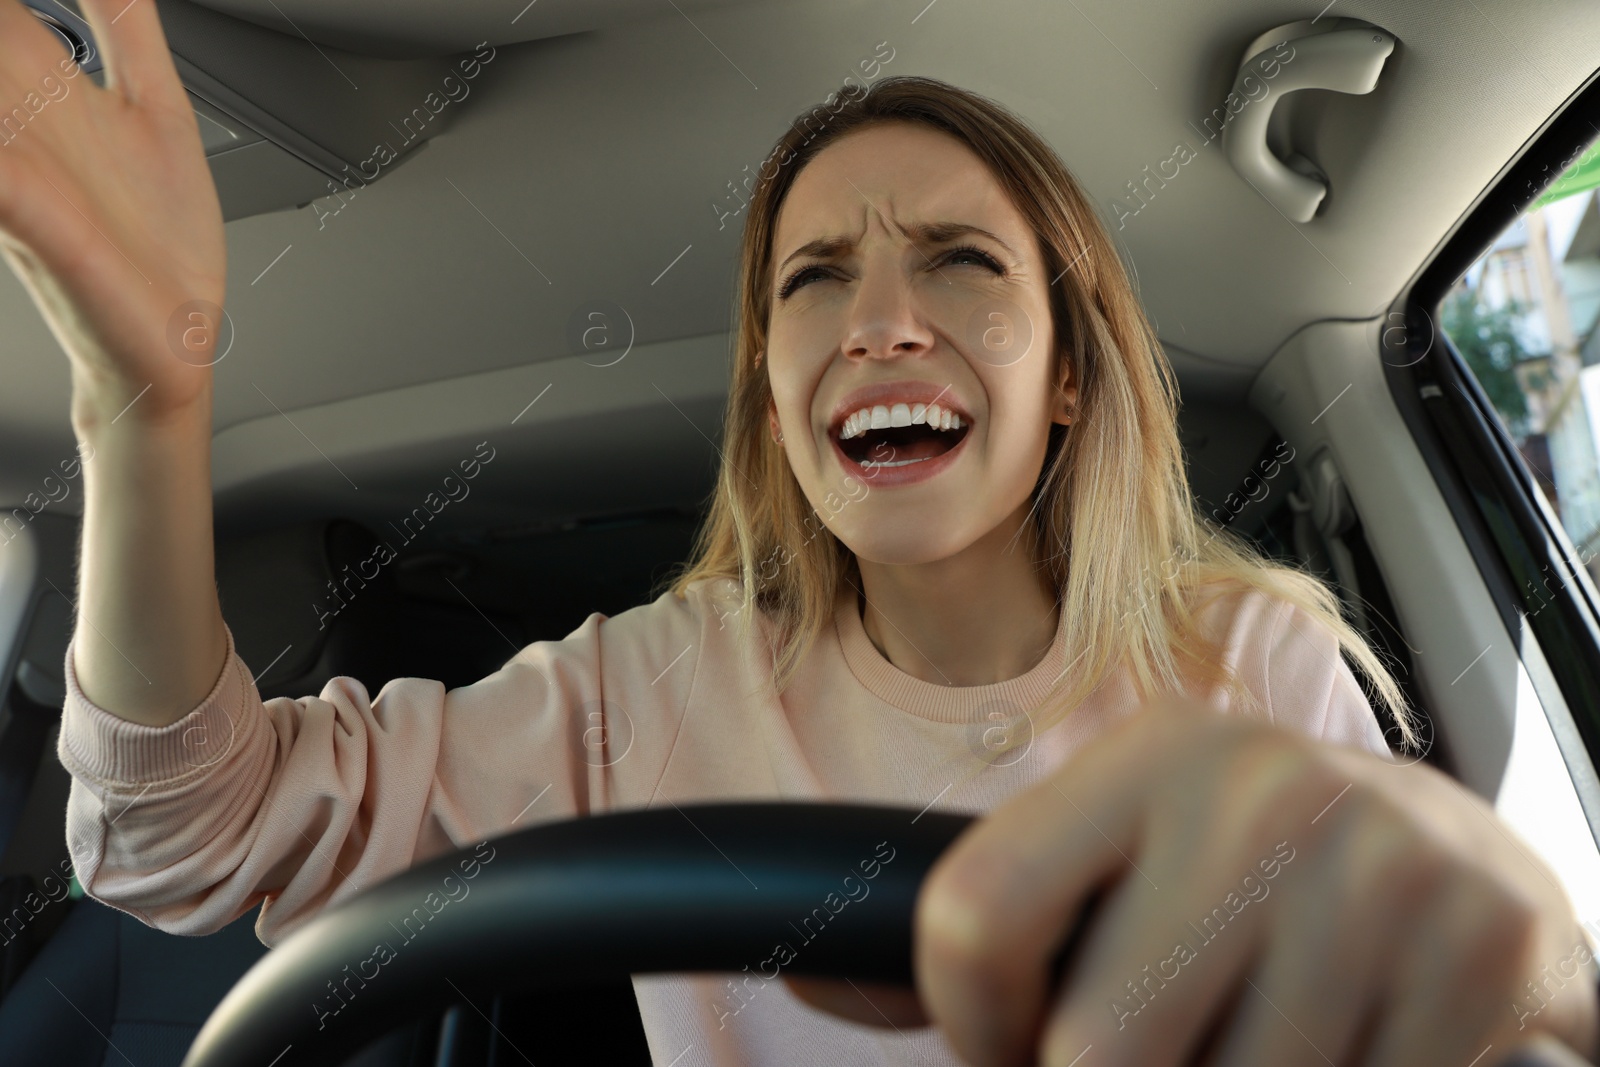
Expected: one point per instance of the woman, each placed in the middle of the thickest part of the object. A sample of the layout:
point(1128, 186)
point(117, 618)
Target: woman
point(952, 561)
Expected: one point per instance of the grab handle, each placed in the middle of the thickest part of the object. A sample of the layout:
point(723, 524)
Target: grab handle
point(1345, 61)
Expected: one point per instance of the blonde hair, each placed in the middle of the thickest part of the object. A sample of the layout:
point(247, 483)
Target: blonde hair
point(1124, 543)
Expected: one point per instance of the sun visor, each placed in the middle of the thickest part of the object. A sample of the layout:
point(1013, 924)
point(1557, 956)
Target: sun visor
point(284, 120)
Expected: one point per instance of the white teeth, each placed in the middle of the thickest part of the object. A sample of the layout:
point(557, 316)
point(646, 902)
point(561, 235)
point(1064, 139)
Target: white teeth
point(869, 464)
point(856, 424)
point(882, 417)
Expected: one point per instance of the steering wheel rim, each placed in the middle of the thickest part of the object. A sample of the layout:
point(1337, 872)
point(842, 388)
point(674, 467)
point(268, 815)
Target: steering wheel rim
point(704, 887)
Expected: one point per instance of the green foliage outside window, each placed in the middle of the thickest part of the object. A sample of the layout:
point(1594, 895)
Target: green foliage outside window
point(1487, 340)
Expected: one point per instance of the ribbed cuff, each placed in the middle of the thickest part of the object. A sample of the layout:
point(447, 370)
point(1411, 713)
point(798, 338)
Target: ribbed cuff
point(101, 747)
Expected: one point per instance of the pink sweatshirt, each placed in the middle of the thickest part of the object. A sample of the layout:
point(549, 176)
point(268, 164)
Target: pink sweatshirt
point(294, 805)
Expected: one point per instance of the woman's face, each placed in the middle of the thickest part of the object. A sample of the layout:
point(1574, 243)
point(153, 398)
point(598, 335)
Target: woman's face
point(910, 307)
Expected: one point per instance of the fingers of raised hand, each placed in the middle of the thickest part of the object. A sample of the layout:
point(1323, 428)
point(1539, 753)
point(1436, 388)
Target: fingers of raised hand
point(134, 48)
point(29, 52)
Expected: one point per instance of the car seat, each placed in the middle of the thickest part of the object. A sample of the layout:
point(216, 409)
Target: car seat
point(105, 989)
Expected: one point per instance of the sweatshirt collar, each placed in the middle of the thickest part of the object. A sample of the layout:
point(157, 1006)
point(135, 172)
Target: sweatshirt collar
point(941, 703)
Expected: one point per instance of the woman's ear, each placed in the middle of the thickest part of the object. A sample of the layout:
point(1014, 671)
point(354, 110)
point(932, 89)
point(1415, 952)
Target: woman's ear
point(772, 421)
point(1066, 405)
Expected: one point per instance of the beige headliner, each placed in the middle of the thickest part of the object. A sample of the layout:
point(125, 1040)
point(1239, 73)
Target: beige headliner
point(585, 165)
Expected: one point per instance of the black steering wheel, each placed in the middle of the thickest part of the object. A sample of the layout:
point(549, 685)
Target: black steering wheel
point(708, 887)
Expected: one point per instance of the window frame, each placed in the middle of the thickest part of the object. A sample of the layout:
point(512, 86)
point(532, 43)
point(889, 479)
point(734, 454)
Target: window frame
point(1510, 530)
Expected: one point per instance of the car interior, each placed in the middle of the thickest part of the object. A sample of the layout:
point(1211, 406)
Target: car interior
point(538, 273)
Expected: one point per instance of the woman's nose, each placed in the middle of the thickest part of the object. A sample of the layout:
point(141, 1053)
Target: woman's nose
point(885, 318)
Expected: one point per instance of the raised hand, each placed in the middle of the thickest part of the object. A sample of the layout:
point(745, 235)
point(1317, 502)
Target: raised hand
point(108, 213)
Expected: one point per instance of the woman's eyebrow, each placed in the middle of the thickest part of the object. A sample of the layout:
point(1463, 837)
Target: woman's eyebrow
point(922, 233)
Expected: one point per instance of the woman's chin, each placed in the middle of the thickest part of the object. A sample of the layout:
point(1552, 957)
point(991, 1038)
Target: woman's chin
point(903, 542)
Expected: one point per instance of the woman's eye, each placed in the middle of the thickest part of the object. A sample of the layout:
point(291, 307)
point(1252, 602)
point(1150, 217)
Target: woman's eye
point(797, 279)
point(982, 257)
point(805, 275)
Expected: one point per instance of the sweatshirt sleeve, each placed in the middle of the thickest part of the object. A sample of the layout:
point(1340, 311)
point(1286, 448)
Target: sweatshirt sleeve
point(1309, 686)
point(298, 804)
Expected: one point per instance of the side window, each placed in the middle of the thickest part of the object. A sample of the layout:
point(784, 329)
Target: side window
point(1526, 319)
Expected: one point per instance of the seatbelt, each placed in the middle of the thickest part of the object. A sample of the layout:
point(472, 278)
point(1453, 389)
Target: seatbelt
point(1322, 507)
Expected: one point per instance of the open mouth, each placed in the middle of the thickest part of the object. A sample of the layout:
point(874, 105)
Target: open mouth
point(885, 445)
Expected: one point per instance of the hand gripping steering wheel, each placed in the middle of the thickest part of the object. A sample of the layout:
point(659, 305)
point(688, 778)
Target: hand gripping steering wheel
point(709, 888)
